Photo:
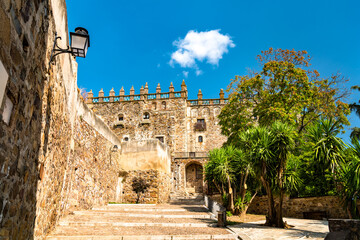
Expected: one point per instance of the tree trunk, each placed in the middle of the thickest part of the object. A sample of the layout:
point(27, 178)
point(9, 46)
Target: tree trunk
point(271, 216)
point(231, 195)
point(279, 216)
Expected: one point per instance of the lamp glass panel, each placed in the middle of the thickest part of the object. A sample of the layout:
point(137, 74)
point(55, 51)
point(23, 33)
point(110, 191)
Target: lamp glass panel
point(78, 41)
point(86, 48)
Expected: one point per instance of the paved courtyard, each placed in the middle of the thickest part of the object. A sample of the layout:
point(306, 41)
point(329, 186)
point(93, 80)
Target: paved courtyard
point(303, 229)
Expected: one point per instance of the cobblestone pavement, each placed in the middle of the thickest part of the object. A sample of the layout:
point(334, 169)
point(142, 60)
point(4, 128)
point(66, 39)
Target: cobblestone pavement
point(303, 229)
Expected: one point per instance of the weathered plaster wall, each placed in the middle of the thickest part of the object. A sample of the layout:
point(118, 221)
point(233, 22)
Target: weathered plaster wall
point(144, 155)
point(295, 207)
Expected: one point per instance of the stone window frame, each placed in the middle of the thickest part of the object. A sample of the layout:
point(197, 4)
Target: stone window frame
point(163, 136)
point(121, 115)
point(200, 139)
point(126, 137)
point(163, 105)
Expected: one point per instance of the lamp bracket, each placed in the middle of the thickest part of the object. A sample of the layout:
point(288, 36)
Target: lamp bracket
point(56, 50)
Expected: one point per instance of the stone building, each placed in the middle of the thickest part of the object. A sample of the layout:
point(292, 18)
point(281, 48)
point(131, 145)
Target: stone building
point(189, 127)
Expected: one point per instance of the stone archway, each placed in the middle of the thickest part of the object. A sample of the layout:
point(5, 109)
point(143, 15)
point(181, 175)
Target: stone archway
point(194, 178)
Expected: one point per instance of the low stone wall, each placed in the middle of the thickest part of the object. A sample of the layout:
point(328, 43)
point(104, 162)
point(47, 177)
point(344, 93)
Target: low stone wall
point(157, 192)
point(295, 207)
point(348, 229)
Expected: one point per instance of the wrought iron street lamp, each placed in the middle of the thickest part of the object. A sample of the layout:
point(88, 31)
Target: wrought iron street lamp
point(80, 42)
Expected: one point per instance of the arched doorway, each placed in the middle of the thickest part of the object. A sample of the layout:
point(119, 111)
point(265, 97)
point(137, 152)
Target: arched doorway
point(194, 178)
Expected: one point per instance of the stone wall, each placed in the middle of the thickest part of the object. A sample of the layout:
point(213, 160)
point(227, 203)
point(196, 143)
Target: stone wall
point(47, 153)
point(22, 53)
point(157, 192)
point(295, 207)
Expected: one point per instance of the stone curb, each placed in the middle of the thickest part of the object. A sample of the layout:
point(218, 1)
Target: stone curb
point(146, 237)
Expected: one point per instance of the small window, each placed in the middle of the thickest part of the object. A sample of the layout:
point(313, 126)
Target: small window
point(121, 117)
point(200, 139)
point(154, 105)
point(160, 138)
point(163, 105)
point(146, 115)
point(201, 120)
point(126, 139)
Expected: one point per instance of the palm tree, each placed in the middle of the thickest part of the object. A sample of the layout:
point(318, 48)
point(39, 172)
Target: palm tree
point(269, 150)
point(257, 145)
point(221, 169)
point(356, 108)
point(326, 148)
point(283, 143)
point(349, 179)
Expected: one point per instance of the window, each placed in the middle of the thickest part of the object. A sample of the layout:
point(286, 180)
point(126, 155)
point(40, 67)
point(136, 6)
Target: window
point(201, 120)
point(3, 80)
point(163, 105)
point(146, 115)
point(154, 105)
point(200, 139)
point(121, 117)
point(126, 139)
point(160, 138)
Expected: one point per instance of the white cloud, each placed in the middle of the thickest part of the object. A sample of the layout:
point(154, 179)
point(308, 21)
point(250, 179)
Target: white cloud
point(186, 74)
point(198, 72)
point(207, 46)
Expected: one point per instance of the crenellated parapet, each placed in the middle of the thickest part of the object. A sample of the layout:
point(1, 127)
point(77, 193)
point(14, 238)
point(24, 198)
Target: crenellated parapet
point(158, 95)
point(214, 101)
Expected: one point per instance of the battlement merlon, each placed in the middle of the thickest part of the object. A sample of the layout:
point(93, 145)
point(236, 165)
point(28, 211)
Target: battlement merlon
point(144, 95)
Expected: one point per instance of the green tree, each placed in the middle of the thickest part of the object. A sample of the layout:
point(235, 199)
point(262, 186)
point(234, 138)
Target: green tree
point(229, 170)
point(285, 89)
point(269, 149)
point(355, 107)
point(349, 180)
point(322, 154)
point(220, 169)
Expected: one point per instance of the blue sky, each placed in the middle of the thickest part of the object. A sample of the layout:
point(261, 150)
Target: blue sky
point(132, 42)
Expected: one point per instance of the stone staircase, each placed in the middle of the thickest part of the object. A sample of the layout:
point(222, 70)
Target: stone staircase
point(182, 218)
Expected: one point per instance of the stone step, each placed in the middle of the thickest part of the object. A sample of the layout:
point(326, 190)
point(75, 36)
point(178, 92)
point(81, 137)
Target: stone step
point(100, 231)
point(134, 224)
point(147, 215)
point(122, 219)
point(176, 208)
point(146, 237)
